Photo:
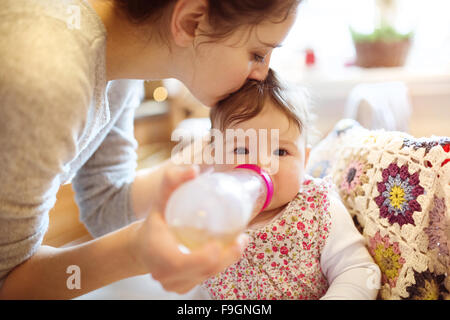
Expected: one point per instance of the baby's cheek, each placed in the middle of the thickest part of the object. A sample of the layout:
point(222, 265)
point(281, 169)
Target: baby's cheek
point(287, 184)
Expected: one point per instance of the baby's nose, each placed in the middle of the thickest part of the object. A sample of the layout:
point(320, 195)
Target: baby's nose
point(267, 167)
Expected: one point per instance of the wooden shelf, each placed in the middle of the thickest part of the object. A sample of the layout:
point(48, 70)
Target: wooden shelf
point(65, 226)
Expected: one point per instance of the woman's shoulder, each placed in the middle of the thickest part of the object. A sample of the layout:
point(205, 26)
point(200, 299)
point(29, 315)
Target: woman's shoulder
point(72, 15)
point(49, 40)
point(49, 66)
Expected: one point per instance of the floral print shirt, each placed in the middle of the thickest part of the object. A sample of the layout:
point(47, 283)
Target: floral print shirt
point(282, 260)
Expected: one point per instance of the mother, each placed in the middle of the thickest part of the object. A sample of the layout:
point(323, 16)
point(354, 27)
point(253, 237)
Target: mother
point(66, 115)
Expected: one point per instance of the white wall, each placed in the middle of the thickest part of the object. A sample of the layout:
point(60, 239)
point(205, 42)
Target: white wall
point(429, 96)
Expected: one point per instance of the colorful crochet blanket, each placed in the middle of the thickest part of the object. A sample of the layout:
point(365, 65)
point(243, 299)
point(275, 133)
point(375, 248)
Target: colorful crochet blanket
point(397, 189)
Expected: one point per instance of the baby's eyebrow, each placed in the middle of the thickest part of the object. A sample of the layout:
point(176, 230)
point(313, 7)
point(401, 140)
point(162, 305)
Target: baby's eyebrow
point(288, 142)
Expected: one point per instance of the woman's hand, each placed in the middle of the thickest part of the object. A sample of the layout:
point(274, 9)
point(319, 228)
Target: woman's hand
point(173, 176)
point(156, 250)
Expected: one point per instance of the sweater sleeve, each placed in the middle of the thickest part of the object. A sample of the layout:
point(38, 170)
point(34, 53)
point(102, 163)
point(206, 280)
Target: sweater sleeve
point(103, 185)
point(345, 261)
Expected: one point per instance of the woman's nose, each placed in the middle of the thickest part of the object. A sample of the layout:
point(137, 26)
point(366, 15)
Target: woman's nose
point(260, 70)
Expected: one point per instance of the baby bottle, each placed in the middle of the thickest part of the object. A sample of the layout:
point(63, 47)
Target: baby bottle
point(218, 206)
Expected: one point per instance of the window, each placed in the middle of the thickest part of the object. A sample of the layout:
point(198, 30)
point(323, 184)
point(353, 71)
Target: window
point(324, 26)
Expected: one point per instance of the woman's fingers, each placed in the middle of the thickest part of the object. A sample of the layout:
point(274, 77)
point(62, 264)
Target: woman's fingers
point(174, 266)
point(173, 178)
point(235, 252)
point(213, 258)
point(184, 273)
point(226, 256)
point(180, 174)
point(175, 270)
point(180, 286)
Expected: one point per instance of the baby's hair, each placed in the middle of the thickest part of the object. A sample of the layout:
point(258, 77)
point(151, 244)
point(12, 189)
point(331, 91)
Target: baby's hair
point(248, 102)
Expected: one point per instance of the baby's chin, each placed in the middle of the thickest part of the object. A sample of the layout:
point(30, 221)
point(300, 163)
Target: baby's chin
point(274, 210)
point(266, 216)
point(278, 205)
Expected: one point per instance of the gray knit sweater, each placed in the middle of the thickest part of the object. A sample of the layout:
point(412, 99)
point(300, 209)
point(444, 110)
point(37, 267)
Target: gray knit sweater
point(60, 122)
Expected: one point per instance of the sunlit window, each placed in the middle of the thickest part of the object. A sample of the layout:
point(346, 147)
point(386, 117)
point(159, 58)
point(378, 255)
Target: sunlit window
point(323, 26)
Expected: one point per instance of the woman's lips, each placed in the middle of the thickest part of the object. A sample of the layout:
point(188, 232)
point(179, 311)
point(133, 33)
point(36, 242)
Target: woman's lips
point(228, 94)
point(225, 96)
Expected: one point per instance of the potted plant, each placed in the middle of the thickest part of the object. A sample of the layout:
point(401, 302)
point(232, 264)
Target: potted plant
point(385, 46)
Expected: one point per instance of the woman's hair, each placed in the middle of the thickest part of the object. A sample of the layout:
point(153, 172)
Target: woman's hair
point(249, 101)
point(224, 16)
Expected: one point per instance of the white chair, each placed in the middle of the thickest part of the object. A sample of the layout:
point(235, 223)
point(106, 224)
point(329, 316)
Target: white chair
point(383, 105)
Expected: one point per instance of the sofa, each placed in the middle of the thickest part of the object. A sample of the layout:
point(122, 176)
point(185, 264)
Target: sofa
point(397, 190)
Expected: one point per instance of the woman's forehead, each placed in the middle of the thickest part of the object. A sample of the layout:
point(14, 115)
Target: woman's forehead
point(267, 34)
point(273, 32)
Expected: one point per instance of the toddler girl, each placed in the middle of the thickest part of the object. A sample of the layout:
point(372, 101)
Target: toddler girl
point(304, 245)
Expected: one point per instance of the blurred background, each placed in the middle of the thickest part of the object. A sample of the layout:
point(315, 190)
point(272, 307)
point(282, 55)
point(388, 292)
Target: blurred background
point(385, 63)
point(337, 45)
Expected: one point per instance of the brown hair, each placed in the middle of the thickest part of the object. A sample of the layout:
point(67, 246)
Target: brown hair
point(224, 16)
point(248, 102)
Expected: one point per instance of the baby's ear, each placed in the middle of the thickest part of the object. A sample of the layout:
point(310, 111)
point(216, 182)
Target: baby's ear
point(307, 152)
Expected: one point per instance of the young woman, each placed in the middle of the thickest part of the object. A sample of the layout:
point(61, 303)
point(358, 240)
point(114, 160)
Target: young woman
point(66, 115)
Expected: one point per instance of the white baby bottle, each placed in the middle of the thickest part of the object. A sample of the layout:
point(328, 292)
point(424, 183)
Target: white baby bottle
point(218, 205)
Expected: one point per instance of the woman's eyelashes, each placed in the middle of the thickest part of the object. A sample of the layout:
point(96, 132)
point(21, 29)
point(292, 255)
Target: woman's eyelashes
point(259, 58)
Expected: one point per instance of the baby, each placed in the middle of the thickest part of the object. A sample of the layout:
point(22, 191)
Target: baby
point(304, 245)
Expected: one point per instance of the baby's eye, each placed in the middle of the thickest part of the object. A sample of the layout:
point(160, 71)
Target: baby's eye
point(241, 150)
point(281, 152)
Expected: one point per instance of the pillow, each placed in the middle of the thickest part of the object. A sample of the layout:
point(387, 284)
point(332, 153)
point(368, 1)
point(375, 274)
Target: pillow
point(397, 190)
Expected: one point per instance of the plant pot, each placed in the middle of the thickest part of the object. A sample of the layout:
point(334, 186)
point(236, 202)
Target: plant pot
point(382, 53)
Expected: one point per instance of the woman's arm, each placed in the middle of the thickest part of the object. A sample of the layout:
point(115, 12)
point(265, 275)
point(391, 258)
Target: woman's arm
point(145, 189)
point(152, 186)
point(103, 184)
point(100, 262)
point(350, 270)
point(145, 246)
point(43, 106)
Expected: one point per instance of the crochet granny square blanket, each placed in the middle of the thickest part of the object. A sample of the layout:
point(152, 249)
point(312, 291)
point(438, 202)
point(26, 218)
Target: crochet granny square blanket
point(397, 190)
